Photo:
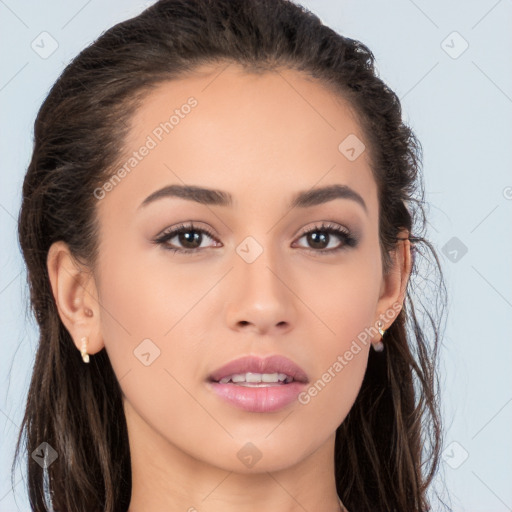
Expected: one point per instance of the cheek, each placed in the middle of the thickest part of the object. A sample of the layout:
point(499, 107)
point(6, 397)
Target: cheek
point(342, 303)
point(146, 319)
point(152, 337)
point(147, 295)
point(342, 298)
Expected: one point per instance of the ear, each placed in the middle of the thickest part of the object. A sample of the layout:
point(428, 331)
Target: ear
point(394, 283)
point(75, 293)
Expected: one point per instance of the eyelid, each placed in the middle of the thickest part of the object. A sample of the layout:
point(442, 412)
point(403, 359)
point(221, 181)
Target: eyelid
point(348, 238)
point(323, 225)
point(333, 228)
point(184, 226)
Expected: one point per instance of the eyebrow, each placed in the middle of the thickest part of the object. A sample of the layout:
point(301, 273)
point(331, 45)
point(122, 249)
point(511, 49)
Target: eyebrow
point(207, 196)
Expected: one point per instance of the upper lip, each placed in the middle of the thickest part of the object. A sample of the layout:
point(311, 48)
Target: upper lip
point(253, 364)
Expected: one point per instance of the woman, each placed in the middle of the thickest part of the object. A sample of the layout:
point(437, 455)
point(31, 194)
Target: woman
point(219, 222)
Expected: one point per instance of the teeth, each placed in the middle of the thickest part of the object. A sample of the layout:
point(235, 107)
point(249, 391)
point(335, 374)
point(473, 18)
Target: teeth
point(255, 378)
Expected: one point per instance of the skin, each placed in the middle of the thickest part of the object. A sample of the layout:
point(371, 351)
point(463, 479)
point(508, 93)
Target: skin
point(261, 138)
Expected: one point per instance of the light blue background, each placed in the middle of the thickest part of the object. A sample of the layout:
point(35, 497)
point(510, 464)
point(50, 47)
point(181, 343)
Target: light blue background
point(461, 110)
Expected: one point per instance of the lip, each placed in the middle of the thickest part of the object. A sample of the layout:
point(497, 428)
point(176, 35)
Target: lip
point(259, 399)
point(254, 399)
point(253, 364)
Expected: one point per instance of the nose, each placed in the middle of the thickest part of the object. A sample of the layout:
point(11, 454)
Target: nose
point(261, 299)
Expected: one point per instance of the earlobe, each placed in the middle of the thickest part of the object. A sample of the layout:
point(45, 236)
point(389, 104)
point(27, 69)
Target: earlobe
point(75, 295)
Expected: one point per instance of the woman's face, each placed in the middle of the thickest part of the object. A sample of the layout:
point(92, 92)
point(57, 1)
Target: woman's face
point(253, 283)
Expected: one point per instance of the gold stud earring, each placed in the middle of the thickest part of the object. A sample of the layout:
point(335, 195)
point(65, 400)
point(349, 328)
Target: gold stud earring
point(85, 355)
point(379, 346)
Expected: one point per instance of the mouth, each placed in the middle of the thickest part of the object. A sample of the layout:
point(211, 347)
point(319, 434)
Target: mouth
point(257, 380)
point(251, 371)
point(258, 385)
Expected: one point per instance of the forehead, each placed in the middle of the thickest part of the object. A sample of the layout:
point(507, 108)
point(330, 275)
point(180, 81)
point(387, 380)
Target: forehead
point(226, 128)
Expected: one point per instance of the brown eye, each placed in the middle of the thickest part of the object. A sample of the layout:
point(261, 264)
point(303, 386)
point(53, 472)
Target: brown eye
point(189, 238)
point(319, 238)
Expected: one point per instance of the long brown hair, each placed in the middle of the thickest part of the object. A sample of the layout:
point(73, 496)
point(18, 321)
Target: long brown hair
point(387, 449)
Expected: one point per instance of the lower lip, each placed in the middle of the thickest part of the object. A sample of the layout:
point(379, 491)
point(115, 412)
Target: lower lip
point(258, 399)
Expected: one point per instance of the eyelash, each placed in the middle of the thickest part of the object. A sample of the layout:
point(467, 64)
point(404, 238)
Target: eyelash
point(349, 240)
